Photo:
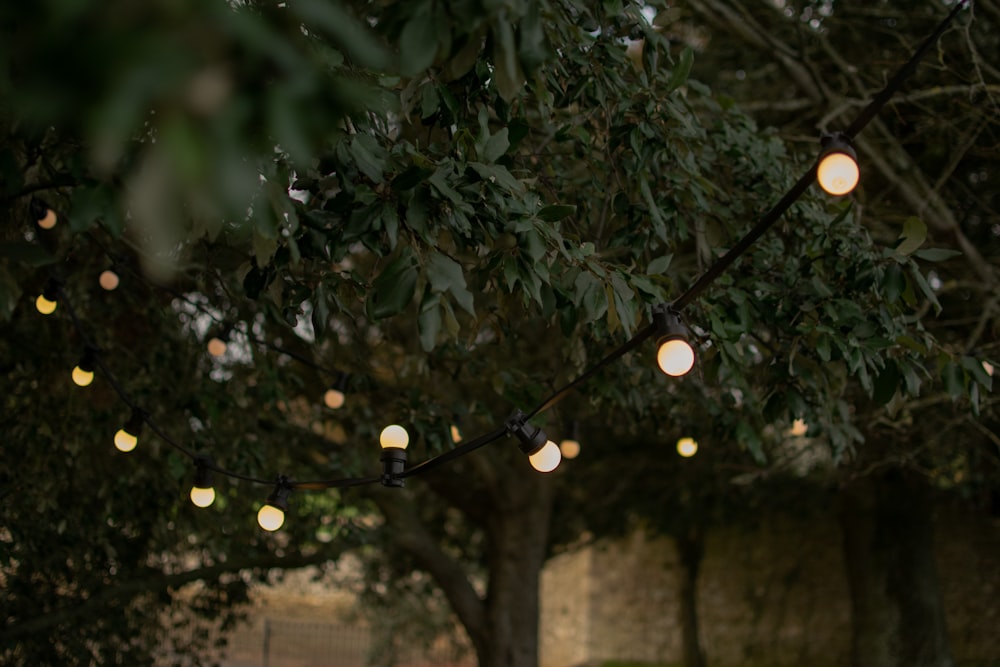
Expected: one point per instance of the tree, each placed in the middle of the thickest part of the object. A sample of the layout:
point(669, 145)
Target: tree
point(457, 205)
point(808, 66)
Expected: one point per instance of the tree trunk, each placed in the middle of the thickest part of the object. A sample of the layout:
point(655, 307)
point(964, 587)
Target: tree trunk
point(690, 549)
point(518, 539)
point(897, 617)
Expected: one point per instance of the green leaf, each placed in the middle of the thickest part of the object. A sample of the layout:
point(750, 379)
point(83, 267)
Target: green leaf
point(556, 212)
point(912, 380)
point(418, 42)
point(507, 72)
point(886, 384)
point(659, 265)
point(893, 283)
point(393, 289)
point(410, 178)
point(659, 227)
point(913, 235)
point(263, 248)
point(497, 173)
point(936, 254)
point(954, 380)
point(445, 275)
point(679, 76)
point(429, 321)
point(925, 288)
point(975, 368)
point(496, 146)
point(348, 31)
point(370, 157)
point(320, 312)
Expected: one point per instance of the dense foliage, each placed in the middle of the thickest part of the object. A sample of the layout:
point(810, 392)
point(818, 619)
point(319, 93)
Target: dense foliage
point(461, 205)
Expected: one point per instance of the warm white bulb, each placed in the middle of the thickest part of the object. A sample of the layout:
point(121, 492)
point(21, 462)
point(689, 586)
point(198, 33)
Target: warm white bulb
point(394, 436)
point(44, 306)
point(838, 173)
point(675, 357)
point(216, 346)
point(203, 497)
point(799, 428)
point(334, 399)
point(547, 458)
point(270, 517)
point(125, 441)
point(108, 280)
point(687, 447)
point(81, 377)
point(569, 448)
point(456, 435)
point(49, 220)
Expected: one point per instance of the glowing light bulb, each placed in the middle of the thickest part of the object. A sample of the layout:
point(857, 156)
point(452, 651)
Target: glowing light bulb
point(216, 346)
point(569, 448)
point(203, 497)
point(82, 377)
point(394, 436)
point(125, 441)
point(456, 435)
point(675, 357)
point(108, 280)
point(48, 221)
point(547, 458)
point(270, 518)
point(838, 173)
point(799, 428)
point(334, 399)
point(44, 306)
point(687, 447)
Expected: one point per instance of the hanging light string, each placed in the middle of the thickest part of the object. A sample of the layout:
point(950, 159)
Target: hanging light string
point(533, 440)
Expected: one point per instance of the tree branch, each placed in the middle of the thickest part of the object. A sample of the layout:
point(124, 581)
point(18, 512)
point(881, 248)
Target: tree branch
point(410, 534)
point(156, 583)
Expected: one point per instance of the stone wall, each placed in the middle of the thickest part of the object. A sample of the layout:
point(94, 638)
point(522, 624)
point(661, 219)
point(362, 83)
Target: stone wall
point(774, 594)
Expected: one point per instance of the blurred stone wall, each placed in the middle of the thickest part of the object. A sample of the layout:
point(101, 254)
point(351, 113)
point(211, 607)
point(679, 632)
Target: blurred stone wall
point(773, 594)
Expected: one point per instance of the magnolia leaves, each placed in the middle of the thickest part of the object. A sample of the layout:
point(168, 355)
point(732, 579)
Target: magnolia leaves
point(395, 287)
point(518, 44)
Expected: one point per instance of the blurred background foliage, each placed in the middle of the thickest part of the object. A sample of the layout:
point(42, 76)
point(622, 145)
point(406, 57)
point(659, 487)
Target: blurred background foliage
point(460, 205)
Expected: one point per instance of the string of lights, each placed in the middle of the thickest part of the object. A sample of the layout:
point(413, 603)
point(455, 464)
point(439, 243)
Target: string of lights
point(836, 171)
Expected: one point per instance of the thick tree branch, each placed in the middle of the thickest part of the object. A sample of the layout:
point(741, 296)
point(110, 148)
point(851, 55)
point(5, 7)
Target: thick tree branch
point(152, 584)
point(410, 534)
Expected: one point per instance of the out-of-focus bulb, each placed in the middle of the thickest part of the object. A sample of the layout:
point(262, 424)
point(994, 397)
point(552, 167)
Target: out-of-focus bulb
point(44, 306)
point(334, 399)
point(48, 221)
point(799, 428)
point(81, 377)
point(837, 173)
point(456, 435)
point(394, 436)
point(216, 346)
point(125, 441)
point(569, 448)
point(203, 497)
point(270, 517)
point(675, 357)
point(108, 280)
point(687, 447)
point(547, 458)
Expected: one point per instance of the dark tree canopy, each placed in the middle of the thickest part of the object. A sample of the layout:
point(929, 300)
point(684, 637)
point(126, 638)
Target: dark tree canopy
point(458, 206)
